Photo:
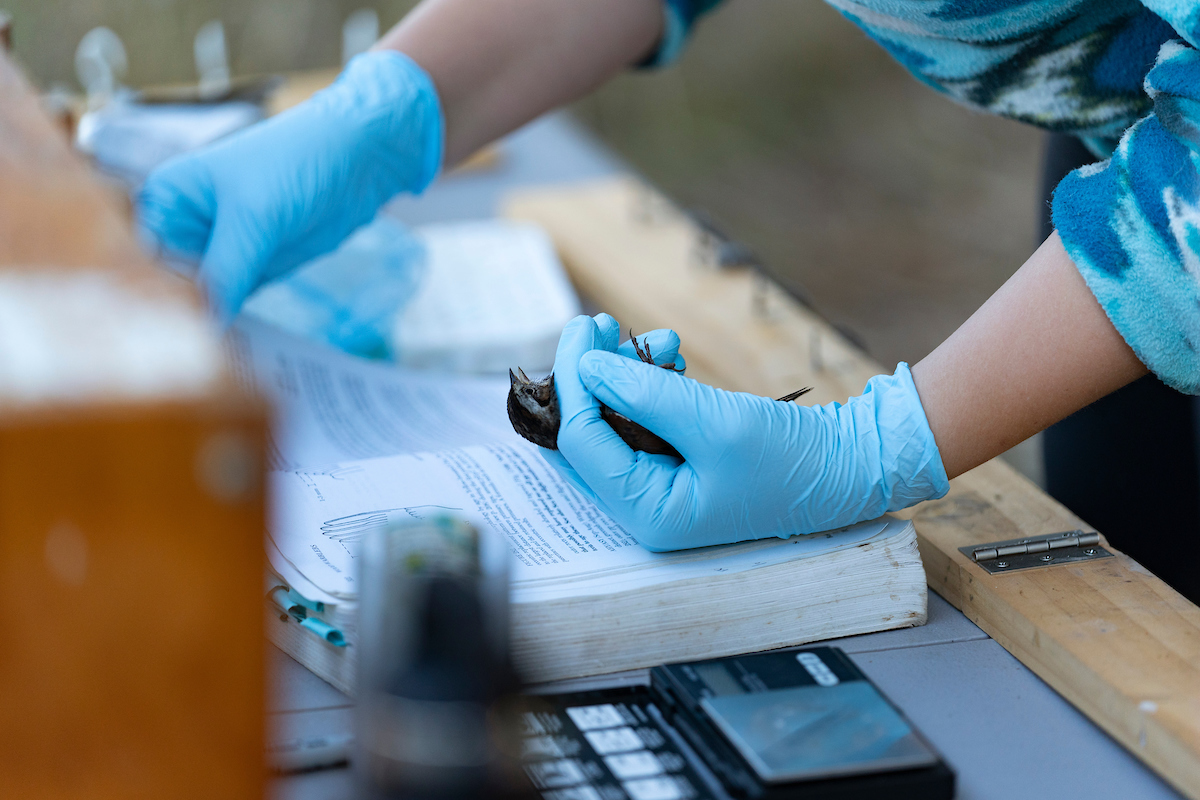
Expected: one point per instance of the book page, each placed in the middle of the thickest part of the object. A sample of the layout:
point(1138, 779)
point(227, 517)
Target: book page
point(562, 545)
point(359, 445)
point(331, 407)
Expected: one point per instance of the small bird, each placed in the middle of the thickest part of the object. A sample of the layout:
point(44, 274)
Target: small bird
point(534, 413)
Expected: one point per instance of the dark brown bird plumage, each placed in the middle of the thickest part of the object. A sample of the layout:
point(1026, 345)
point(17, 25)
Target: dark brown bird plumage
point(534, 414)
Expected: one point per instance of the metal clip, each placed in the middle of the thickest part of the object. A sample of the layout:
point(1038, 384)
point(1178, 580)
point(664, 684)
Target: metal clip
point(1037, 551)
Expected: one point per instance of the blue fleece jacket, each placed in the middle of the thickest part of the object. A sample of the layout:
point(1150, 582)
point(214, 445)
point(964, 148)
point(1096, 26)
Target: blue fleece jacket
point(1122, 75)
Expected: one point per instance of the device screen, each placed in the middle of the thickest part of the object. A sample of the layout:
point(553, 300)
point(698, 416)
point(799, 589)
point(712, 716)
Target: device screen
point(800, 714)
point(817, 731)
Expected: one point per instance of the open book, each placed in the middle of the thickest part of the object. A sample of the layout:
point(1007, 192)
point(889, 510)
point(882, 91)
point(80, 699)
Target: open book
point(587, 599)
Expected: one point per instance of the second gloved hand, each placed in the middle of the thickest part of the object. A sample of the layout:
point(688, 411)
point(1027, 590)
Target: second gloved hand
point(602, 332)
point(752, 467)
point(282, 192)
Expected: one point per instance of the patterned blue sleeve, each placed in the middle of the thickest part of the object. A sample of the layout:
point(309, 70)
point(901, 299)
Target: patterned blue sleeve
point(1132, 224)
point(1086, 67)
point(1072, 66)
point(678, 18)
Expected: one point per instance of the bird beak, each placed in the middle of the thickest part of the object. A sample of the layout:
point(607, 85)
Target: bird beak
point(519, 379)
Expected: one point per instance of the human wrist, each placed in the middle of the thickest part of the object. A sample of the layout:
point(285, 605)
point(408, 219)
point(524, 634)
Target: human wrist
point(910, 465)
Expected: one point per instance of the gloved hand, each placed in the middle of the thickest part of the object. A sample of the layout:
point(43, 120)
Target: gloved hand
point(663, 346)
point(282, 192)
point(753, 467)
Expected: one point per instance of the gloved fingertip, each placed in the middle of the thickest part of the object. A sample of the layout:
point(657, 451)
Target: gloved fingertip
point(610, 331)
point(604, 321)
point(581, 321)
point(666, 347)
point(578, 336)
point(662, 344)
point(669, 340)
point(224, 297)
point(233, 262)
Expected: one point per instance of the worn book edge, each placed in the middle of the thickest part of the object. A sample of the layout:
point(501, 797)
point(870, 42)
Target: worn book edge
point(876, 585)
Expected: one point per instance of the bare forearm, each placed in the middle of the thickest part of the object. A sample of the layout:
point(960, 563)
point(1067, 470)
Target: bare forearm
point(499, 63)
point(1039, 349)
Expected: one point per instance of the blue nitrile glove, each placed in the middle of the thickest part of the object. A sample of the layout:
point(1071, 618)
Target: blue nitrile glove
point(753, 467)
point(605, 333)
point(349, 298)
point(279, 193)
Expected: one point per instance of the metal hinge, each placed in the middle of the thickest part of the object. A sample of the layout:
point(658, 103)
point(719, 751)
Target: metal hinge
point(1037, 551)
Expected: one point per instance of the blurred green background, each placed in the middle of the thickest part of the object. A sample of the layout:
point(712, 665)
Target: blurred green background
point(898, 211)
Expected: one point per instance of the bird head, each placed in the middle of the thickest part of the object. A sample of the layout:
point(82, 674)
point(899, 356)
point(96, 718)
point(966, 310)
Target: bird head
point(534, 396)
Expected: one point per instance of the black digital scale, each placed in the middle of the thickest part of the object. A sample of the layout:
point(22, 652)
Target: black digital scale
point(785, 724)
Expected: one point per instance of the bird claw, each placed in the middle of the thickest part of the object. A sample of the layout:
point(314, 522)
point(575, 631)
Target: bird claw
point(646, 355)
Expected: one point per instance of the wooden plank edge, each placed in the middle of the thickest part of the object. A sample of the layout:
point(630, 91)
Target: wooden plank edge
point(1143, 688)
point(1132, 723)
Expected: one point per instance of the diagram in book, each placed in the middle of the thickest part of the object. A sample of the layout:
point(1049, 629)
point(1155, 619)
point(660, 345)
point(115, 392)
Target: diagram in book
point(338, 473)
point(349, 530)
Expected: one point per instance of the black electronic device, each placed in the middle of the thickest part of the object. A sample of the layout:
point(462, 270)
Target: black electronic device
point(804, 724)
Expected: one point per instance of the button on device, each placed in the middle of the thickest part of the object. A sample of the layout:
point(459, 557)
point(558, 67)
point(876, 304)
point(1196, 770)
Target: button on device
point(575, 793)
point(553, 774)
point(534, 747)
point(634, 765)
point(654, 789)
point(614, 740)
point(589, 718)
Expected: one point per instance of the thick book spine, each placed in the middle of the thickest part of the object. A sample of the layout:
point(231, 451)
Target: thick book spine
point(873, 587)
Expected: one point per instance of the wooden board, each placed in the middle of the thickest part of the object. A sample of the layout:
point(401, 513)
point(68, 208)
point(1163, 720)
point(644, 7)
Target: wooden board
point(1113, 639)
point(52, 212)
point(131, 506)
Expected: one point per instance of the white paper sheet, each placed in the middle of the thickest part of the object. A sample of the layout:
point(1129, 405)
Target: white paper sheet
point(562, 545)
point(331, 407)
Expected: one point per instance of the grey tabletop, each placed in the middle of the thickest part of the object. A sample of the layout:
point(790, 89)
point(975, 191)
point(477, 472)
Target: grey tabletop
point(1004, 732)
